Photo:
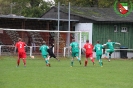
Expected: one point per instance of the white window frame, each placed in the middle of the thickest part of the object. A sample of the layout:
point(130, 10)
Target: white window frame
point(115, 28)
point(124, 29)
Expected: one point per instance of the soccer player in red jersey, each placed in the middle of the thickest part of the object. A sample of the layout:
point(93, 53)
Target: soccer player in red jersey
point(21, 51)
point(88, 48)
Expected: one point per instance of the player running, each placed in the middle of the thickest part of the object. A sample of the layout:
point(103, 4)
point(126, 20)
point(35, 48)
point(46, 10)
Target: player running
point(44, 51)
point(110, 49)
point(74, 50)
point(98, 49)
point(88, 48)
point(51, 54)
point(21, 51)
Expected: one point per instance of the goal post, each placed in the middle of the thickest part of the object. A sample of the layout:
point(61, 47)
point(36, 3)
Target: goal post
point(47, 31)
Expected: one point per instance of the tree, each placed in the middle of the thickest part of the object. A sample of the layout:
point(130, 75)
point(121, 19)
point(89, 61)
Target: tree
point(106, 3)
point(86, 3)
point(4, 6)
point(90, 3)
point(34, 8)
point(27, 8)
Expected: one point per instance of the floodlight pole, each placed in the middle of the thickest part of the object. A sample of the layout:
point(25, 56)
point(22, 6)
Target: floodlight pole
point(69, 20)
point(80, 47)
point(0, 50)
point(68, 34)
point(58, 29)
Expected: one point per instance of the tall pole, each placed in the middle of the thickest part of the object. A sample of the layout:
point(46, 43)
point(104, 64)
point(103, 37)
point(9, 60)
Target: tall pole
point(80, 45)
point(69, 22)
point(58, 28)
point(68, 34)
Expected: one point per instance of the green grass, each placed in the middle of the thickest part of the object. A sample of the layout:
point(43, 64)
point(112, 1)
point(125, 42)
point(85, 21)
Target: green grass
point(115, 74)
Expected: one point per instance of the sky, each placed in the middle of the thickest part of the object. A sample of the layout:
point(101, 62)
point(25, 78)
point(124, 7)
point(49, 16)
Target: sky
point(50, 0)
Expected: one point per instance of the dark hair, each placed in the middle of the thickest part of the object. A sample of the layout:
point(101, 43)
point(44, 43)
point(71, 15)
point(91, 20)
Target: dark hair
point(73, 40)
point(98, 41)
point(19, 39)
point(87, 41)
point(44, 42)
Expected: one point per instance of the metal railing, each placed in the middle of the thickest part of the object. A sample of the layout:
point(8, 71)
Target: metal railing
point(115, 54)
point(10, 49)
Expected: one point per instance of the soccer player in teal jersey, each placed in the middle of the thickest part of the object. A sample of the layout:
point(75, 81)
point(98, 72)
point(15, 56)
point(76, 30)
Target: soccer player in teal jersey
point(44, 51)
point(110, 49)
point(74, 49)
point(98, 49)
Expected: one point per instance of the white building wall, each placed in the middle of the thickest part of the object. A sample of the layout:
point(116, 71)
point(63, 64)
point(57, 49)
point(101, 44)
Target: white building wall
point(86, 29)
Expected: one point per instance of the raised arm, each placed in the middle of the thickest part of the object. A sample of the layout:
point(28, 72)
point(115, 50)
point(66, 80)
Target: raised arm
point(104, 45)
point(118, 43)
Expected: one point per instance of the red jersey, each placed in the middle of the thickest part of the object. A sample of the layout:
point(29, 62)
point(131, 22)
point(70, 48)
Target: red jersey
point(89, 48)
point(20, 46)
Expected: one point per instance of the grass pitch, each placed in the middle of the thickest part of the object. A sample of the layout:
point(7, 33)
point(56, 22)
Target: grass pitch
point(115, 74)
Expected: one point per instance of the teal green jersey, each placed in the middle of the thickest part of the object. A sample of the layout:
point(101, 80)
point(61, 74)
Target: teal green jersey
point(110, 45)
point(44, 49)
point(74, 47)
point(98, 48)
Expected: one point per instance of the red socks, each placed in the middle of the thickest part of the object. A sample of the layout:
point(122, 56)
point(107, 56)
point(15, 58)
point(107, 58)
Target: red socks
point(18, 62)
point(24, 61)
point(92, 60)
point(86, 62)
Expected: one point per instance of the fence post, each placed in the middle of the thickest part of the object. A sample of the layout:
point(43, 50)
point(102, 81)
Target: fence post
point(0, 50)
point(30, 50)
point(64, 51)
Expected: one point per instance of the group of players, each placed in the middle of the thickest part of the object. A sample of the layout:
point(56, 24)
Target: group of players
point(47, 52)
point(88, 48)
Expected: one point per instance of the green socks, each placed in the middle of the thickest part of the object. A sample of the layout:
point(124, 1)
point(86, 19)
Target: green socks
point(71, 63)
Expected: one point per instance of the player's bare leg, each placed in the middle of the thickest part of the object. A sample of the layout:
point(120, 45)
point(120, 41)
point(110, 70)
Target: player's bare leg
point(48, 58)
point(79, 60)
point(57, 59)
point(92, 60)
point(18, 62)
point(24, 61)
point(86, 62)
point(106, 54)
point(47, 62)
point(109, 57)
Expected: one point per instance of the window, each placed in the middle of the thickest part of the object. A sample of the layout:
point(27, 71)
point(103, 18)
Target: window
point(124, 29)
point(115, 28)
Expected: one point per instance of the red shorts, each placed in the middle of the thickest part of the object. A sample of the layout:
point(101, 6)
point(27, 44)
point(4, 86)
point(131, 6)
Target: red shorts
point(88, 55)
point(22, 54)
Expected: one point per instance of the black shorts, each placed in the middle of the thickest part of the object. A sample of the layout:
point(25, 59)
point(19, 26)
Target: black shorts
point(52, 55)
